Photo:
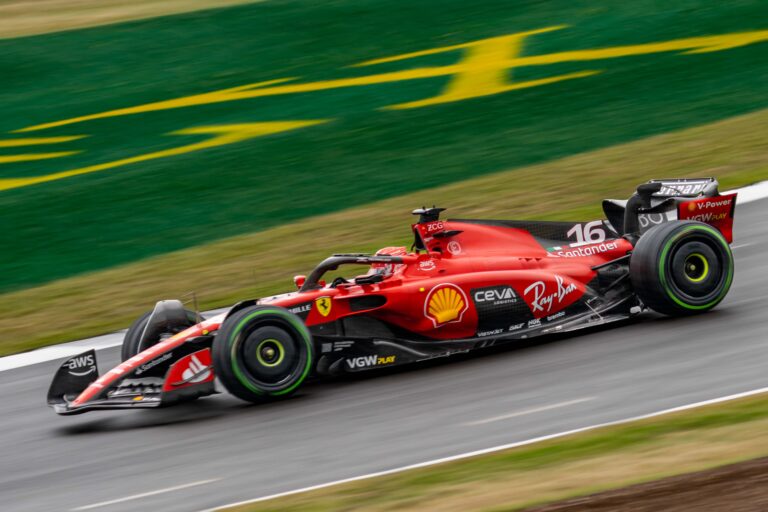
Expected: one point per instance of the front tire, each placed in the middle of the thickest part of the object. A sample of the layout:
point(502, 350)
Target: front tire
point(681, 268)
point(132, 343)
point(263, 353)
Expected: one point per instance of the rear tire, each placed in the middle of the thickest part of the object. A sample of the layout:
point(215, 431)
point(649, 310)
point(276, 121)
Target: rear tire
point(263, 353)
point(132, 338)
point(681, 268)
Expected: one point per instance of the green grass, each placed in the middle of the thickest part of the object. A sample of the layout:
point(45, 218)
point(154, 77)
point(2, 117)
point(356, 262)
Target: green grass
point(571, 466)
point(363, 153)
point(42, 16)
point(262, 263)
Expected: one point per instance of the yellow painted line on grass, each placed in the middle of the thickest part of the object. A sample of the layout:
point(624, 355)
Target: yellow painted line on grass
point(222, 135)
point(485, 57)
point(38, 141)
point(30, 157)
point(229, 94)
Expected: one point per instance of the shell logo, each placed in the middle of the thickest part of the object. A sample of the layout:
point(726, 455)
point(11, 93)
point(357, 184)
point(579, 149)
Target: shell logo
point(445, 303)
point(691, 206)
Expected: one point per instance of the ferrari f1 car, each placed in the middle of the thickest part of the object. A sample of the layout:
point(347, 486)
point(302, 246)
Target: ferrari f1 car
point(464, 285)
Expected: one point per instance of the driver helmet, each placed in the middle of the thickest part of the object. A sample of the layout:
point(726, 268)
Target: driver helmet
point(387, 269)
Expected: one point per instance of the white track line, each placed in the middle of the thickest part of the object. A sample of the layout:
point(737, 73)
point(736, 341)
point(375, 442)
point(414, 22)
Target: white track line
point(525, 412)
point(750, 193)
point(64, 350)
point(746, 195)
point(61, 351)
point(492, 449)
point(145, 494)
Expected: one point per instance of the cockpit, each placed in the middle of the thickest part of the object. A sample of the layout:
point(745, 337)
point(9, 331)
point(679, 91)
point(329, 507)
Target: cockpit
point(429, 232)
point(384, 264)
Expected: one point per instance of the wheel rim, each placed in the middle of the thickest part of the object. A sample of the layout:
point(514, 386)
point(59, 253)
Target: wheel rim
point(696, 267)
point(270, 353)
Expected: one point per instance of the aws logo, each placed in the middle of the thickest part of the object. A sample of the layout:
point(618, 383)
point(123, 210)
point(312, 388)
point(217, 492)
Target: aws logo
point(445, 303)
point(82, 365)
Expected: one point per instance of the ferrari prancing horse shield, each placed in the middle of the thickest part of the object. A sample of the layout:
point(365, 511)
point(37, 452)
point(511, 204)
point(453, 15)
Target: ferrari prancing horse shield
point(323, 305)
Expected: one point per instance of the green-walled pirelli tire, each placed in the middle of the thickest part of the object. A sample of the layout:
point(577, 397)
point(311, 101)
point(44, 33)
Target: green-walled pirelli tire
point(681, 268)
point(132, 344)
point(263, 353)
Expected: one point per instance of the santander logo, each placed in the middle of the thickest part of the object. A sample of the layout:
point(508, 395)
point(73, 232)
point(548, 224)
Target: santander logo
point(191, 369)
point(542, 301)
point(196, 371)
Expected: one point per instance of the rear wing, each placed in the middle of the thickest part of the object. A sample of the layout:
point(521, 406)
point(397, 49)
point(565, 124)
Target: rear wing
point(686, 187)
point(666, 200)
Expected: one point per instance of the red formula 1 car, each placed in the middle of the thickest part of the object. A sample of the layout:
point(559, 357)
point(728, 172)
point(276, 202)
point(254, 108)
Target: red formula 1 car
point(465, 285)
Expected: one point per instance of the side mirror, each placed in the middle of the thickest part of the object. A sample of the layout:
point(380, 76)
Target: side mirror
point(299, 281)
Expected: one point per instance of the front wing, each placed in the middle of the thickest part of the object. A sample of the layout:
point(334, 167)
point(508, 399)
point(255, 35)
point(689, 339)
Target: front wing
point(185, 373)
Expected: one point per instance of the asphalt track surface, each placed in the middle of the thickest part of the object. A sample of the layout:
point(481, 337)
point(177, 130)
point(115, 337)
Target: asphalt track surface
point(219, 450)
